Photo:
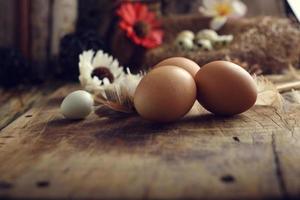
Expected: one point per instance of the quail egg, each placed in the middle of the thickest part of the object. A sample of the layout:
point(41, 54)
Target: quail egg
point(184, 43)
point(222, 41)
point(207, 34)
point(187, 34)
point(203, 44)
point(77, 105)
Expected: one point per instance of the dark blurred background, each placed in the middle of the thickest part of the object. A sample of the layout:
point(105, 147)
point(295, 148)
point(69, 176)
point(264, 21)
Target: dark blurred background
point(44, 37)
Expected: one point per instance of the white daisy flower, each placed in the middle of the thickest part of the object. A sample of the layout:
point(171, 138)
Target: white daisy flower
point(102, 75)
point(95, 69)
point(221, 10)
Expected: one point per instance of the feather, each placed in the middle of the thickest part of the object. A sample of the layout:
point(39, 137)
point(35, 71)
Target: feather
point(267, 93)
point(296, 96)
point(119, 96)
point(116, 99)
point(294, 73)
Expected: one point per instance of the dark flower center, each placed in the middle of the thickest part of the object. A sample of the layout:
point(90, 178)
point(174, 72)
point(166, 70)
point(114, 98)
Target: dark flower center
point(103, 72)
point(141, 29)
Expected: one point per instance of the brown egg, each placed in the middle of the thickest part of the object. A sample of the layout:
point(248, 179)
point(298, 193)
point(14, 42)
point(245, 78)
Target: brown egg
point(165, 94)
point(181, 62)
point(225, 88)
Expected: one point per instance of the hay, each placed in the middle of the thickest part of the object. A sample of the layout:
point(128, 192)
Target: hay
point(270, 43)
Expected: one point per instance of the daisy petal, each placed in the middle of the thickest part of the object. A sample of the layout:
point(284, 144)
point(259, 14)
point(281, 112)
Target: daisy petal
point(207, 12)
point(239, 9)
point(89, 61)
point(209, 4)
point(106, 81)
point(217, 22)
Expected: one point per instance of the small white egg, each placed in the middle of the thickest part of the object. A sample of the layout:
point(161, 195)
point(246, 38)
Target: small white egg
point(203, 44)
point(77, 105)
point(184, 43)
point(207, 34)
point(187, 34)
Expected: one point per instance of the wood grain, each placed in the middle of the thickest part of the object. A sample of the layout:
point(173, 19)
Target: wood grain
point(255, 155)
point(13, 107)
point(63, 21)
point(23, 9)
point(15, 102)
point(8, 23)
point(39, 33)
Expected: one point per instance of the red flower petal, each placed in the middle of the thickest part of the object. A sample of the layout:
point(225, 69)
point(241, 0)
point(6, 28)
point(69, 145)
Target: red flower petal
point(127, 13)
point(128, 30)
point(150, 17)
point(142, 12)
point(124, 26)
point(154, 39)
point(136, 39)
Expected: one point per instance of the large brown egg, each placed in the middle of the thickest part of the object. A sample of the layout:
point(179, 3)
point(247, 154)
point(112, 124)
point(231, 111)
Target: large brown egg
point(165, 94)
point(225, 88)
point(181, 62)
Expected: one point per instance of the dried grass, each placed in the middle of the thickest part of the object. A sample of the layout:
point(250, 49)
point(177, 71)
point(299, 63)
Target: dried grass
point(270, 43)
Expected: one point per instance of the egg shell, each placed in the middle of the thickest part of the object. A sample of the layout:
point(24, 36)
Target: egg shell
point(187, 34)
point(184, 43)
point(222, 41)
point(165, 94)
point(181, 62)
point(203, 44)
point(207, 34)
point(77, 105)
point(225, 88)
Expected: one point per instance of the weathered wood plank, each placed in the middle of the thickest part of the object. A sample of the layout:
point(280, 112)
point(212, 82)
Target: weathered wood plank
point(245, 157)
point(287, 151)
point(4, 96)
point(13, 103)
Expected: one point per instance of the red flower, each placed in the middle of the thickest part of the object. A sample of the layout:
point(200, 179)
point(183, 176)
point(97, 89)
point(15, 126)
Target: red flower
point(140, 25)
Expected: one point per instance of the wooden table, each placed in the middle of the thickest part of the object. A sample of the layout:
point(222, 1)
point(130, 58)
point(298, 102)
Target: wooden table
point(255, 155)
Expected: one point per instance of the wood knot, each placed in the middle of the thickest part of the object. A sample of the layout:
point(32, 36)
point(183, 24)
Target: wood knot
point(227, 178)
point(5, 185)
point(236, 139)
point(42, 184)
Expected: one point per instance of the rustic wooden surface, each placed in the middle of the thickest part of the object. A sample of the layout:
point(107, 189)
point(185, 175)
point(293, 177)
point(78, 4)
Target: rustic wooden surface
point(255, 155)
